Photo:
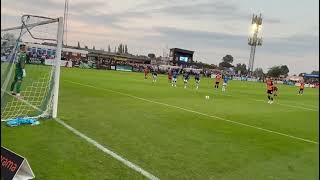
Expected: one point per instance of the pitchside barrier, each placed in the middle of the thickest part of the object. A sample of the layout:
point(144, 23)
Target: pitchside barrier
point(14, 166)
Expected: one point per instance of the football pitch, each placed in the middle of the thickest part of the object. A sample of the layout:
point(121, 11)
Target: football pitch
point(171, 132)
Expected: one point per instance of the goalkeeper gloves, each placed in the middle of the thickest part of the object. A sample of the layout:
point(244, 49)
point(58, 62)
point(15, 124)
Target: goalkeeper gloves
point(23, 72)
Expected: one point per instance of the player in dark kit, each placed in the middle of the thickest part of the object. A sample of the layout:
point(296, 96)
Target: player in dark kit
point(174, 78)
point(270, 90)
point(186, 79)
point(197, 79)
point(154, 75)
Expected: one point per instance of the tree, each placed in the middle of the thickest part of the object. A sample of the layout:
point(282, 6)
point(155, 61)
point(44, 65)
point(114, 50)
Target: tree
point(78, 44)
point(85, 46)
point(115, 49)
point(109, 49)
point(94, 48)
point(242, 68)
point(258, 72)
point(225, 65)
point(275, 71)
point(315, 72)
point(125, 49)
point(284, 70)
point(120, 49)
point(228, 59)
point(10, 39)
point(151, 55)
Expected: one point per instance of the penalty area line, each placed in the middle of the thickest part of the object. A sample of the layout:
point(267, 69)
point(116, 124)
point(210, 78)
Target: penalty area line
point(203, 114)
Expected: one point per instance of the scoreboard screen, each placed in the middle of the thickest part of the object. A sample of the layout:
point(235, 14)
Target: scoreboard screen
point(183, 58)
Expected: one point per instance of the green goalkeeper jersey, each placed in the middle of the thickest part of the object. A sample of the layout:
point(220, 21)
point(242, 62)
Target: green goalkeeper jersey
point(22, 58)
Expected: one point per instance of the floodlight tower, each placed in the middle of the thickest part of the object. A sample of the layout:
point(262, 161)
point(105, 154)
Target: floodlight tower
point(253, 39)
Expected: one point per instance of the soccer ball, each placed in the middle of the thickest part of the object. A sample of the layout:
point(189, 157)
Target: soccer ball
point(207, 97)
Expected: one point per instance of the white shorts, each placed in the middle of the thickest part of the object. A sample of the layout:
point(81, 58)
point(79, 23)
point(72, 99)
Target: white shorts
point(174, 79)
point(224, 84)
point(185, 80)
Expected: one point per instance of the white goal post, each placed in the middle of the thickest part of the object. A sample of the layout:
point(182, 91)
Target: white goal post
point(40, 88)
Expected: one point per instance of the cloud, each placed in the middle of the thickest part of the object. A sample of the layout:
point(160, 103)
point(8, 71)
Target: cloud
point(211, 9)
point(285, 45)
point(295, 45)
point(212, 28)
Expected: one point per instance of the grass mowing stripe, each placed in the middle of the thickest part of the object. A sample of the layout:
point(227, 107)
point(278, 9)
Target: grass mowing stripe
point(106, 150)
point(288, 105)
point(22, 100)
point(299, 107)
point(99, 146)
point(196, 112)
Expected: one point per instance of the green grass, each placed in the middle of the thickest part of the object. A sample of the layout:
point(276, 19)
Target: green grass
point(169, 142)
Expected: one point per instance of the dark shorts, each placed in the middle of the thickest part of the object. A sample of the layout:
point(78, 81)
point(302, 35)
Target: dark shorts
point(217, 83)
point(269, 91)
point(197, 79)
point(301, 89)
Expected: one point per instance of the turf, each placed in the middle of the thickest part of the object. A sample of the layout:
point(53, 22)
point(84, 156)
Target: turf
point(164, 132)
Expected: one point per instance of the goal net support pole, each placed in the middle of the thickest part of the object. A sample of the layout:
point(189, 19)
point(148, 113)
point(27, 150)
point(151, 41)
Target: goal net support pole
point(57, 71)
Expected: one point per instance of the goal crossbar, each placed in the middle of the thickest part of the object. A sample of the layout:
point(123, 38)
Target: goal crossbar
point(32, 25)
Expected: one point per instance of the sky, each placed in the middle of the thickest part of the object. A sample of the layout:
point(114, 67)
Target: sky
point(211, 28)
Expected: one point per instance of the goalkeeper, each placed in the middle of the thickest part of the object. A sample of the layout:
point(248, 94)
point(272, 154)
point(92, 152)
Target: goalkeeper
point(20, 71)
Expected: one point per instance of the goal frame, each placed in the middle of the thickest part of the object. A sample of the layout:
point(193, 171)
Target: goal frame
point(54, 94)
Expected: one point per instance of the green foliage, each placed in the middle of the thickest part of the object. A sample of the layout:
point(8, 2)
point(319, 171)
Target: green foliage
point(258, 72)
point(242, 68)
point(226, 62)
point(225, 65)
point(125, 49)
point(228, 59)
point(276, 71)
point(284, 70)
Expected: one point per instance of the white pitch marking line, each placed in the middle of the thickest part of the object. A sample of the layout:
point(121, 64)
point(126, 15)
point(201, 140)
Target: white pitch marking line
point(111, 153)
point(289, 105)
point(196, 112)
point(99, 146)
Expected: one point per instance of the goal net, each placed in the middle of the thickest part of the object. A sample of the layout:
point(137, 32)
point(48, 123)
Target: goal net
point(38, 88)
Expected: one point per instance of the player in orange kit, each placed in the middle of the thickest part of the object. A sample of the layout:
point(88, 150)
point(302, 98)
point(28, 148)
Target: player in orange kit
point(217, 81)
point(270, 90)
point(301, 88)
